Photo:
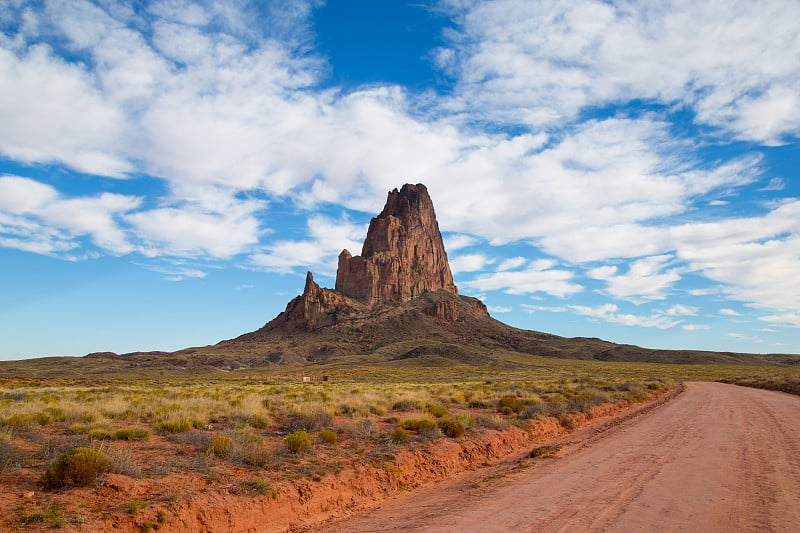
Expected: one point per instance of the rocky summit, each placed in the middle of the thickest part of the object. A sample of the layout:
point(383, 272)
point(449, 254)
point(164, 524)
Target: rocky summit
point(403, 258)
point(403, 255)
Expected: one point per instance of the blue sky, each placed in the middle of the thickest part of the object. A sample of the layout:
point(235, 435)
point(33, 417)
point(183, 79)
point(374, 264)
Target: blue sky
point(623, 170)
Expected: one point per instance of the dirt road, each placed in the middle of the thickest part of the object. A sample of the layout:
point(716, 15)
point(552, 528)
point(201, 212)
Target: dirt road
point(719, 458)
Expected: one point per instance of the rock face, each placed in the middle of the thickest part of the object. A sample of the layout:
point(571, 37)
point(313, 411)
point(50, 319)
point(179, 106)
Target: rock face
point(315, 308)
point(403, 255)
point(403, 262)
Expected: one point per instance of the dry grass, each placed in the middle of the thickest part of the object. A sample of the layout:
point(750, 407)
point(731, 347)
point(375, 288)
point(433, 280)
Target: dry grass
point(790, 384)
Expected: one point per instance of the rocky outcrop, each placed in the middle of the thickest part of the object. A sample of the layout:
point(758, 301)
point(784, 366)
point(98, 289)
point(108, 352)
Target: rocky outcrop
point(403, 255)
point(315, 308)
point(402, 260)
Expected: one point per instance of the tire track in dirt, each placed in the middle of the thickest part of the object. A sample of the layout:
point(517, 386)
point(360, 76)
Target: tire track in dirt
point(718, 458)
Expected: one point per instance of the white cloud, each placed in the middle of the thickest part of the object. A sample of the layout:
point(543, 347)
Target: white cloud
point(539, 276)
point(191, 231)
point(775, 184)
point(499, 309)
point(511, 263)
point(609, 313)
point(21, 195)
point(784, 319)
point(528, 308)
point(34, 217)
point(180, 11)
point(457, 241)
point(646, 279)
point(51, 111)
point(543, 62)
point(754, 258)
point(695, 327)
point(328, 237)
point(681, 310)
point(741, 337)
point(469, 263)
point(729, 312)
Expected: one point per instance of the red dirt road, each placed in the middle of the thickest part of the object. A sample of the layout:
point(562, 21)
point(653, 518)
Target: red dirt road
point(719, 458)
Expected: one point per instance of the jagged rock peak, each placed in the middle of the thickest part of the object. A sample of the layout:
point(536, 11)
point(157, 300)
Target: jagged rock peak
point(315, 308)
point(403, 255)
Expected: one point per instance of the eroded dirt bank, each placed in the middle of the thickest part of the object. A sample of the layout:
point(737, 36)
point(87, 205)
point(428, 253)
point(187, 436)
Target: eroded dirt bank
point(307, 504)
point(719, 458)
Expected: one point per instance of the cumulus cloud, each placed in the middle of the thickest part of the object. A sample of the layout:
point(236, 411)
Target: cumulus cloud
point(543, 62)
point(469, 263)
point(538, 276)
point(754, 258)
point(50, 111)
point(189, 230)
point(458, 241)
point(646, 279)
point(327, 238)
point(35, 217)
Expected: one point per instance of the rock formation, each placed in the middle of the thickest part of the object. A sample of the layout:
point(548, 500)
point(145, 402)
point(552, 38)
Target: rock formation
point(403, 258)
point(315, 308)
point(403, 255)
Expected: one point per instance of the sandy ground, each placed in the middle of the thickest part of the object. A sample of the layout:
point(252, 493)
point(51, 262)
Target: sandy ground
point(719, 458)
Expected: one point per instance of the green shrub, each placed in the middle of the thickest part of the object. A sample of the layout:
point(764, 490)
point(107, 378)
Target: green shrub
point(17, 420)
point(451, 427)
point(259, 421)
point(510, 404)
point(536, 410)
point(99, 434)
point(77, 467)
point(257, 486)
point(437, 410)
point(584, 400)
point(400, 436)
point(221, 446)
point(134, 506)
point(491, 422)
point(57, 413)
point(418, 424)
point(466, 420)
point(406, 405)
point(176, 425)
point(311, 420)
point(328, 437)
point(298, 442)
point(249, 448)
point(43, 418)
point(134, 433)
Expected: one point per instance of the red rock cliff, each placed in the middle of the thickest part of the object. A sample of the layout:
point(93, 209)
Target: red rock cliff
point(403, 255)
